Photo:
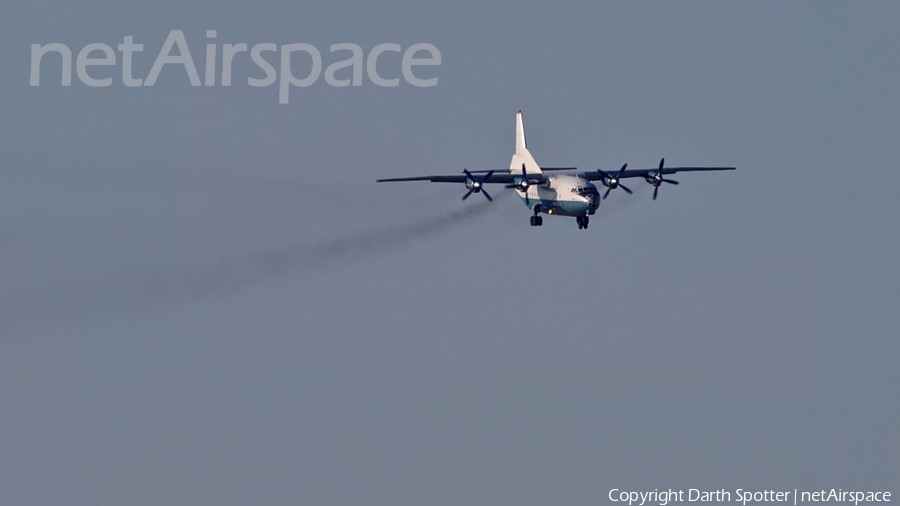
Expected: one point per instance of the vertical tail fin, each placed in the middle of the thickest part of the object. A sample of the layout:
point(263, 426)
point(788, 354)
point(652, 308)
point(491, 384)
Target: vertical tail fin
point(522, 156)
point(520, 134)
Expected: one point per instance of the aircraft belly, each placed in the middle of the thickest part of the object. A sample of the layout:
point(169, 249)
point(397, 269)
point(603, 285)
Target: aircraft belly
point(569, 208)
point(560, 207)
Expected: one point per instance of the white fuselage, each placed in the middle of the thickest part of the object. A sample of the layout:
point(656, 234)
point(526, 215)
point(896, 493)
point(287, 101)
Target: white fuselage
point(564, 194)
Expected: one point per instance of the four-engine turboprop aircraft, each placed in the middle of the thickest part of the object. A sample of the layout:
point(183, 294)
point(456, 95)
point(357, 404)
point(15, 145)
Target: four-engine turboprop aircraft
point(565, 192)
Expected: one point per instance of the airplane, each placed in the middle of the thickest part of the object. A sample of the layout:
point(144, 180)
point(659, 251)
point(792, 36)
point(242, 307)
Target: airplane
point(563, 192)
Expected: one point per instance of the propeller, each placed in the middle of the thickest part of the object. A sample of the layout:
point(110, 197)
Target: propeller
point(524, 184)
point(612, 182)
point(478, 185)
point(656, 178)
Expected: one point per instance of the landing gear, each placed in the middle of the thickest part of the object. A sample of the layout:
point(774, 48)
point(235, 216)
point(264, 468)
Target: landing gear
point(537, 221)
point(582, 222)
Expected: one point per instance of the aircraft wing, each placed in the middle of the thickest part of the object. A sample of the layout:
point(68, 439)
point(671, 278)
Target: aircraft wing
point(507, 178)
point(599, 176)
point(545, 169)
point(495, 178)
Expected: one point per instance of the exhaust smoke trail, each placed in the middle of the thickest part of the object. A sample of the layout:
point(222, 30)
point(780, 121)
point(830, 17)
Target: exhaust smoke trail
point(271, 264)
point(84, 300)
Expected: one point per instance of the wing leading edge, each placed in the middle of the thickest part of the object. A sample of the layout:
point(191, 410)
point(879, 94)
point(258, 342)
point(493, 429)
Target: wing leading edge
point(502, 178)
point(507, 178)
point(629, 173)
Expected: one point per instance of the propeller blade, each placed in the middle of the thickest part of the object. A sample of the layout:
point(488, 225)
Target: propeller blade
point(611, 182)
point(662, 162)
point(524, 183)
point(480, 185)
point(627, 190)
point(670, 181)
point(655, 191)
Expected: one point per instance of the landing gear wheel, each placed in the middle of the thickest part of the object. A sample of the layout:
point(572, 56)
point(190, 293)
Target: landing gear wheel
point(536, 221)
point(584, 222)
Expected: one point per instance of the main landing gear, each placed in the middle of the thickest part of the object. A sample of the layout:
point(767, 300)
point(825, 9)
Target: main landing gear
point(582, 222)
point(536, 221)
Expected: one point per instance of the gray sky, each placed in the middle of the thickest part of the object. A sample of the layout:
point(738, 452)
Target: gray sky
point(206, 299)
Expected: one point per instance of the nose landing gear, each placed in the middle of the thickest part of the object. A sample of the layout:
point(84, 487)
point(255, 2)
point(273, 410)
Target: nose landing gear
point(582, 222)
